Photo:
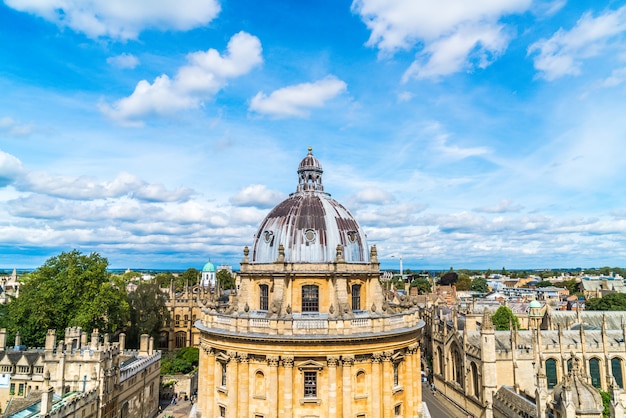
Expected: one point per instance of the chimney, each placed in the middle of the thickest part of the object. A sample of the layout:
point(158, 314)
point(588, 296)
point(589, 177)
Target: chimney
point(122, 342)
point(46, 396)
point(3, 339)
point(143, 344)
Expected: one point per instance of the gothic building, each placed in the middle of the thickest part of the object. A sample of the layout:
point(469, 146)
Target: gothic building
point(310, 333)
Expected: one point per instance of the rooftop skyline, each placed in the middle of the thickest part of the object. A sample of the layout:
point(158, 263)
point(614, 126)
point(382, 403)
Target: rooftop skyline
point(469, 134)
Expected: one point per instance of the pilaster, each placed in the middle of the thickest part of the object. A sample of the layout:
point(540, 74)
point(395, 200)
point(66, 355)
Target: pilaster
point(332, 385)
point(347, 362)
point(287, 410)
point(274, 390)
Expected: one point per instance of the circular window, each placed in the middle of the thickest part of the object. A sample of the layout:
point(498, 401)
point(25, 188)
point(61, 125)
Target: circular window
point(352, 236)
point(267, 235)
point(310, 234)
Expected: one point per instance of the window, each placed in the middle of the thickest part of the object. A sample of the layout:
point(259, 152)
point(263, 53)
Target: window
point(594, 371)
point(177, 321)
point(223, 373)
point(396, 374)
point(551, 373)
point(20, 390)
point(356, 297)
point(186, 319)
point(475, 380)
point(616, 370)
point(12, 389)
point(181, 339)
point(310, 384)
point(397, 410)
point(310, 298)
point(164, 341)
point(264, 297)
point(222, 411)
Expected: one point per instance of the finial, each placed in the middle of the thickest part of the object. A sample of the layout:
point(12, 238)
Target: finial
point(310, 150)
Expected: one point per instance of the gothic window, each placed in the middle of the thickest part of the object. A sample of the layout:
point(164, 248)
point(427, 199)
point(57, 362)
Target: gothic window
point(356, 297)
point(551, 373)
point(264, 297)
point(181, 339)
point(310, 298)
point(475, 380)
point(616, 370)
point(594, 371)
point(570, 364)
point(310, 384)
point(457, 361)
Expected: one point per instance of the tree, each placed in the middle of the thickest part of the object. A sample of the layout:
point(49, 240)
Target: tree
point(68, 290)
point(225, 280)
point(148, 312)
point(464, 282)
point(448, 278)
point(479, 284)
point(503, 318)
point(164, 279)
point(544, 283)
point(422, 284)
point(610, 302)
point(191, 276)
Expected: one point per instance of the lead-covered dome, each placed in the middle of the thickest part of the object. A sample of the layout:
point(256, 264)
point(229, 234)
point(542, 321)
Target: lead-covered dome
point(309, 224)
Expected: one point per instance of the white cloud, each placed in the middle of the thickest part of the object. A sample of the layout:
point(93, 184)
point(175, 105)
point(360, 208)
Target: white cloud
point(504, 206)
point(452, 34)
point(617, 77)
point(296, 100)
point(11, 127)
point(257, 195)
point(564, 52)
point(10, 169)
point(373, 195)
point(121, 19)
point(206, 74)
point(123, 61)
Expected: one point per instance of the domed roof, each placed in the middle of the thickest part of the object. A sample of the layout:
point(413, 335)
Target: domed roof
point(310, 225)
point(575, 390)
point(534, 304)
point(208, 267)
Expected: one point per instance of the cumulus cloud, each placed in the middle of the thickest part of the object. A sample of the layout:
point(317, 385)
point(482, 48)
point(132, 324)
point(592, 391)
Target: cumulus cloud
point(123, 61)
point(121, 19)
point(11, 127)
point(453, 34)
point(84, 188)
point(206, 73)
point(563, 53)
point(373, 195)
point(504, 206)
point(11, 169)
point(257, 195)
point(296, 100)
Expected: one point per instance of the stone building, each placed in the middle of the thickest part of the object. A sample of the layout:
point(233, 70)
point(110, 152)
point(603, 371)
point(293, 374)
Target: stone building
point(555, 367)
point(310, 333)
point(74, 377)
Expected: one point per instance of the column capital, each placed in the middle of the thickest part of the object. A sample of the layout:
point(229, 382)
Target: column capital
point(332, 361)
point(243, 357)
point(232, 355)
point(376, 357)
point(347, 360)
point(412, 349)
point(387, 355)
point(272, 361)
point(207, 349)
point(287, 361)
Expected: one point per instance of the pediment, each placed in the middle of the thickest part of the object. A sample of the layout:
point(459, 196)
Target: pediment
point(310, 365)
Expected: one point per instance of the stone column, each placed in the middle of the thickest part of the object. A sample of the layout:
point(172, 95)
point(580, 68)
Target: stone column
point(232, 384)
point(332, 385)
point(376, 377)
point(274, 390)
point(347, 362)
point(206, 395)
point(288, 387)
point(387, 384)
point(417, 383)
point(244, 385)
point(408, 378)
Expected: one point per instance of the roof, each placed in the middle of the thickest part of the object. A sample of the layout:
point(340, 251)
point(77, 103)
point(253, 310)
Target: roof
point(208, 267)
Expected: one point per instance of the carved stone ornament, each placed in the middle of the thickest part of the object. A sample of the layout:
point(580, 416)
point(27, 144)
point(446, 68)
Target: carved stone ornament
point(332, 361)
point(347, 360)
point(331, 309)
point(373, 307)
point(243, 357)
point(288, 309)
point(287, 361)
point(376, 357)
point(246, 307)
point(272, 361)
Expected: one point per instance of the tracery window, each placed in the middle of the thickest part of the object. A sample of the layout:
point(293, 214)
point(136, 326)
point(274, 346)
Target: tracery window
point(616, 370)
point(356, 297)
point(310, 298)
point(264, 297)
point(594, 371)
point(551, 373)
point(181, 339)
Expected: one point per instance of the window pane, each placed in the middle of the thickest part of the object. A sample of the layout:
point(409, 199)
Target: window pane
point(551, 373)
point(310, 298)
point(310, 384)
point(594, 371)
point(264, 299)
point(616, 369)
point(356, 297)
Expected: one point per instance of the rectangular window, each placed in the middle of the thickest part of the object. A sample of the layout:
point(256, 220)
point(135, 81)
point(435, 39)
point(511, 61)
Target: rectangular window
point(222, 412)
point(310, 298)
point(264, 297)
point(12, 389)
point(20, 390)
point(310, 384)
point(397, 410)
point(223, 374)
point(356, 297)
point(396, 374)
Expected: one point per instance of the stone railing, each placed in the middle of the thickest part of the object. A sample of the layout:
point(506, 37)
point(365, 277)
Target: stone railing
point(309, 324)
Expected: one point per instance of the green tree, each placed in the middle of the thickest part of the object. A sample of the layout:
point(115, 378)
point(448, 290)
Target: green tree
point(148, 312)
point(503, 317)
point(164, 279)
point(191, 276)
point(610, 302)
point(479, 284)
point(422, 284)
point(225, 280)
point(544, 283)
point(68, 290)
point(464, 282)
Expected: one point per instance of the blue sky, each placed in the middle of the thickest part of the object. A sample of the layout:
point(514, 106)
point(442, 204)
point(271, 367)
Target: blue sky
point(474, 134)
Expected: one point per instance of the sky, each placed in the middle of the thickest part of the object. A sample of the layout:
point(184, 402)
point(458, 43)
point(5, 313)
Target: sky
point(482, 134)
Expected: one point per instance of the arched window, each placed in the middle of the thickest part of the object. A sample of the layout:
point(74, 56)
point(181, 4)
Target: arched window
point(259, 384)
point(616, 370)
point(594, 371)
point(263, 297)
point(164, 340)
point(356, 297)
point(475, 380)
point(551, 373)
point(360, 383)
point(457, 359)
point(181, 339)
point(570, 364)
point(310, 298)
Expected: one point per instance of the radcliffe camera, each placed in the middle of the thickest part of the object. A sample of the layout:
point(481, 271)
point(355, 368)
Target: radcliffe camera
point(371, 209)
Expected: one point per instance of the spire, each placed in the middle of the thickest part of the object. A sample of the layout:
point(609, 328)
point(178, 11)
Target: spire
point(487, 322)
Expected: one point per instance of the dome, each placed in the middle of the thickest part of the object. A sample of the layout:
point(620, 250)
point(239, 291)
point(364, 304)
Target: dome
point(208, 267)
point(575, 390)
point(309, 224)
point(534, 304)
